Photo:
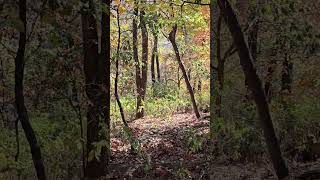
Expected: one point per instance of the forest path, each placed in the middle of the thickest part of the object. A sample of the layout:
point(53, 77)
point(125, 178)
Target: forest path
point(175, 148)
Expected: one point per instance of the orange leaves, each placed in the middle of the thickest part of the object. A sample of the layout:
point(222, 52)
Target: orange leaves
point(117, 2)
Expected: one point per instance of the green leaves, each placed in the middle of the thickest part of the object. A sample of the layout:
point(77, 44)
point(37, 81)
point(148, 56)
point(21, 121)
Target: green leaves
point(266, 9)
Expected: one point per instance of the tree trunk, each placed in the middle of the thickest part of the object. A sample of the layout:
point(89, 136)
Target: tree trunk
point(104, 78)
point(158, 66)
point(172, 39)
point(220, 69)
point(153, 57)
point(19, 97)
point(155, 60)
point(143, 69)
point(212, 68)
point(155, 52)
point(178, 78)
point(255, 86)
point(97, 86)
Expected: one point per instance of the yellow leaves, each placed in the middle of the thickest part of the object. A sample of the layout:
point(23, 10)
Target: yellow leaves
point(121, 9)
point(120, 6)
point(152, 8)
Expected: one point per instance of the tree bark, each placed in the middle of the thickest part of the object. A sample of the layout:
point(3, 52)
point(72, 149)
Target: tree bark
point(255, 86)
point(212, 68)
point(158, 66)
point(143, 69)
point(153, 57)
point(97, 86)
point(220, 69)
point(172, 39)
point(19, 97)
point(155, 60)
point(104, 79)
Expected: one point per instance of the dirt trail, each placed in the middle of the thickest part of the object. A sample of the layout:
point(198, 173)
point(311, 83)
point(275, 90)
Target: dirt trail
point(169, 145)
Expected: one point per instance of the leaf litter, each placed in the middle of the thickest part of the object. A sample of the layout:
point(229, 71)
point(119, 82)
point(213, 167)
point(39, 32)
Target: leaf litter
point(168, 154)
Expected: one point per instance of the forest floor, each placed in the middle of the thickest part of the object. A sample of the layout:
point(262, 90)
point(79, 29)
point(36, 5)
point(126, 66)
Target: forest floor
point(170, 150)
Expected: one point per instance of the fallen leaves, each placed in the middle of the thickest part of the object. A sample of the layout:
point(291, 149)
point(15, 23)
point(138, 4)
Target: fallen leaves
point(165, 143)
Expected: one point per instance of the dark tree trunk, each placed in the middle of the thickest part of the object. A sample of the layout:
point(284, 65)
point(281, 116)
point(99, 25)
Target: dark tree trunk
point(97, 84)
point(19, 97)
point(153, 75)
point(154, 57)
point(172, 38)
point(91, 56)
point(158, 66)
point(143, 69)
point(156, 51)
point(104, 78)
point(220, 69)
point(255, 86)
point(178, 78)
point(212, 68)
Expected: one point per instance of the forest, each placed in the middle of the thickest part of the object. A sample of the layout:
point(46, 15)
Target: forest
point(159, 89)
